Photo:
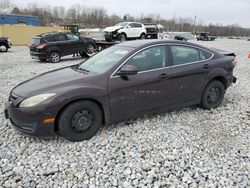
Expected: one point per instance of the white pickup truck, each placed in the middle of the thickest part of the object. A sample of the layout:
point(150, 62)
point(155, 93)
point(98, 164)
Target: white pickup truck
point(125, 30)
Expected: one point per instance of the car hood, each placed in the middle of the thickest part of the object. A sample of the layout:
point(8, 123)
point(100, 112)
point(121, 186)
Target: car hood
point(113, 28)
point(50, 82)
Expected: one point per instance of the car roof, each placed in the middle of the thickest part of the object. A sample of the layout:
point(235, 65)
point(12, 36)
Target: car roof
point(149, 42)
point(51, 34)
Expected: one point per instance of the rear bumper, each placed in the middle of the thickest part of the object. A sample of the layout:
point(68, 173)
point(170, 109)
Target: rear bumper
point(38, 55)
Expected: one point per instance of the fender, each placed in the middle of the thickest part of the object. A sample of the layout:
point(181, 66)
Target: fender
point(101, 99)
point(54, 48)
point(218, 72)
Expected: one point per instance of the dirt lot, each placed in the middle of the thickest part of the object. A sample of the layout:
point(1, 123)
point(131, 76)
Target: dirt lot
point(187, 148)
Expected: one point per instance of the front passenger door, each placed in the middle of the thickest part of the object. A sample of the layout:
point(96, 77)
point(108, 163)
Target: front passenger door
point(147, 91)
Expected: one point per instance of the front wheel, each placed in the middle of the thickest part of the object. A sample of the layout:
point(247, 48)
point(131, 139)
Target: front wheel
point(123, 37)
point(80, 120)
point(213, 95)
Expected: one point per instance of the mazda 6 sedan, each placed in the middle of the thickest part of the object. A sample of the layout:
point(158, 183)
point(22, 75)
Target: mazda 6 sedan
point(125, 81)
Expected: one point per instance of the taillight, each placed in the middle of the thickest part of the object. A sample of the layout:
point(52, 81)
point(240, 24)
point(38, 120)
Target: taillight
point(41, 46)
point(235, 62)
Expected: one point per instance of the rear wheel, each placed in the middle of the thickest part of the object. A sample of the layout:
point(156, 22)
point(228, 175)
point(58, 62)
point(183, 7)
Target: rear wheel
point(80, 120)
point(143, 36)
point(213, 95)
point(90, 50)
point(3, 48)
point(54, 57)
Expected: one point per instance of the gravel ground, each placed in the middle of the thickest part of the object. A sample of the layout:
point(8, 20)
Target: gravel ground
point(187, 148)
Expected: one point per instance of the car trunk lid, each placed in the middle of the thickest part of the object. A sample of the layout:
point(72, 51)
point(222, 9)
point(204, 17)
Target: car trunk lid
point(35, 41)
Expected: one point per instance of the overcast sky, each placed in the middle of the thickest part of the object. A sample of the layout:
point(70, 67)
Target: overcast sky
point(209, 11)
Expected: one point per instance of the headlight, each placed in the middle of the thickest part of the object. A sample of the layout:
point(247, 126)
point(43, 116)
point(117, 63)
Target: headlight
point(8, 40)
point(35, 100)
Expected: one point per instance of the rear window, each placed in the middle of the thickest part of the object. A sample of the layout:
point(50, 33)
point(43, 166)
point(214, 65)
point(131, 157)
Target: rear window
point(35, 41)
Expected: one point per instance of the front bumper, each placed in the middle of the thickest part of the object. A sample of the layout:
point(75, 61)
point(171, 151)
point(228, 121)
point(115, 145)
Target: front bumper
point(111, 35)
point(29, 121)
point(9, 44)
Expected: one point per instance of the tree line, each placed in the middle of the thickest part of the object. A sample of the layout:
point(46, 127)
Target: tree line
point(92, 17)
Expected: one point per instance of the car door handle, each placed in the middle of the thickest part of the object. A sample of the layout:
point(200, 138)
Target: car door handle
point(163, 76)
point(206, 66)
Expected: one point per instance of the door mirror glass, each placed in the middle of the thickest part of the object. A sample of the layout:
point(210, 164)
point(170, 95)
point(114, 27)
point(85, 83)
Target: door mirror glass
point(128, 70)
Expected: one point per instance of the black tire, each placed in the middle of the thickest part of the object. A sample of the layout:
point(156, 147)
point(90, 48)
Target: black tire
point(42, 60)
point(213, 95)
point(3, 48)
point(90, 49)
point(108, 39)
point(80, 120)
point(143, 36)
point(54, 57)
point(123, 37)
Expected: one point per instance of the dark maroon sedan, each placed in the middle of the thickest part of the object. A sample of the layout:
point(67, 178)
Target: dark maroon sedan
point(122, 82)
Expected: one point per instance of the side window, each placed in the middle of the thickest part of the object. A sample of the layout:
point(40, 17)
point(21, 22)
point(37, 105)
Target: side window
point(130, 25)
point(149, 59)
point(204, 55)
point(184, 54)
point(72, 37)
point(61, 37)
point(137, 25)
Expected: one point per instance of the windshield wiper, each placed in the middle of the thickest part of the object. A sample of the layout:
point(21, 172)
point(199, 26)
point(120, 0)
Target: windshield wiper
point(82, 69)
point(78, 68)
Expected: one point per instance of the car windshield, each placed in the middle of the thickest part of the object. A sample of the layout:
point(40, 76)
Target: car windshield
point(123, 24)
point(35, 41)
point(105, 59)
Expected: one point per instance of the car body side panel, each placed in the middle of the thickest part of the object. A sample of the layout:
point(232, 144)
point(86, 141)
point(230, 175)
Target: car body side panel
point(132, 96)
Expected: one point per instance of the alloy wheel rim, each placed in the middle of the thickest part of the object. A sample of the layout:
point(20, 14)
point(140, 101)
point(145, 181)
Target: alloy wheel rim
point(123, 38)
point(3, 48)
point(55, 57)
point(90, 49)
point(81, 121)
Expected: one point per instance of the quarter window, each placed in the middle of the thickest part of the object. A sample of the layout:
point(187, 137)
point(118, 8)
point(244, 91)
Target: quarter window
point(149, 59)
point(205, 55)
point(184, 54)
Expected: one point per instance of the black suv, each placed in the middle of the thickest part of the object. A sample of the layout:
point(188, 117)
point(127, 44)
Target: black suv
point(53, 46)
point(5, 44)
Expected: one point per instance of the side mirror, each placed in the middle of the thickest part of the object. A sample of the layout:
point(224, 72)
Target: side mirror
point(129, 26)
point(128, 70)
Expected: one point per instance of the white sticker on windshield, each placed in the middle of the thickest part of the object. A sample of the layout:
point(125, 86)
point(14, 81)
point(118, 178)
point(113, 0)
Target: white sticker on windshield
point(121, 52)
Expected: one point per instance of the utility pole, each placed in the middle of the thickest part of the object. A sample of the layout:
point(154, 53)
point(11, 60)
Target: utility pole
point(194, 30)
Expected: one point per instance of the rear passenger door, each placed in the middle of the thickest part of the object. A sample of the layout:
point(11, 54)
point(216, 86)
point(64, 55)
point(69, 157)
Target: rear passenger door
point(138, 29)
point(61, 42)
point(190, 66)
